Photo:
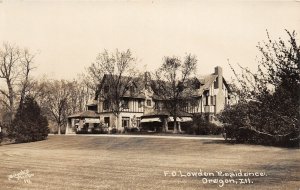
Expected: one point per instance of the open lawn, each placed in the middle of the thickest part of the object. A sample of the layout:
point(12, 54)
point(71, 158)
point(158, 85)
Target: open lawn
point(99, 162)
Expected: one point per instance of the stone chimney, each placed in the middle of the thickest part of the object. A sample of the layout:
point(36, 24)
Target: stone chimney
point(219, 72)
point(147, 79)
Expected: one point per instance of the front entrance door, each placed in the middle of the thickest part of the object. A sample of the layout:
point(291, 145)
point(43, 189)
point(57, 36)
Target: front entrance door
point(125, 122)
point(106, 121)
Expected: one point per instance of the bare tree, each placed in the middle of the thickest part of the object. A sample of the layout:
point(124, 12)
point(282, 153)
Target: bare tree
point(117, 72)
point(86, 89)
point(26, 64)
point(15, 68)
point(171, 83)
point(57, 102)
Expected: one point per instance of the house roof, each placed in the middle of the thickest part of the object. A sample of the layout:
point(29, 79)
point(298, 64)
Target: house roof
point(206, 82)
point(137, 82)
point(92, 103)
point(85, 114)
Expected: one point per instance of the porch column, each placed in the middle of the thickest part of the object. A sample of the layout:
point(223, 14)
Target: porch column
point(165, 125)
point(179, 127)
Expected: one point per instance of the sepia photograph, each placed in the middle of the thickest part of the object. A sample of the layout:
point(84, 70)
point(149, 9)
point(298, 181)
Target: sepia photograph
point(128, 94)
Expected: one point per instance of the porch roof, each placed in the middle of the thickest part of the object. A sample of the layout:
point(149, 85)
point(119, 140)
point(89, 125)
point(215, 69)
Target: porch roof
point(85, 114)
point(165, 113)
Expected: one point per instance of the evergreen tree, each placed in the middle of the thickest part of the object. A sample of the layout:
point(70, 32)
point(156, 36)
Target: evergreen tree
point(28, 125)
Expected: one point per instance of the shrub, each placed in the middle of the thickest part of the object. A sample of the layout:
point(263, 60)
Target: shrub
point(28, 125)
point(100, 130)
point(200, 126)
point(114, 131)
point(244, 125)
point(268, 111)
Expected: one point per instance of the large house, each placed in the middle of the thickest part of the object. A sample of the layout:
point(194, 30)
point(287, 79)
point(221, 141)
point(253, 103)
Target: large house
point(140, 106)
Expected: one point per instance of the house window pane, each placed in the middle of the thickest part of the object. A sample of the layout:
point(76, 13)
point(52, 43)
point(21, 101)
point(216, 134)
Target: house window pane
point(140, 104)
point(106, 121)
point(148, 102)
point(105, 105)
point(156, 106)
point(125, 104)
point(125, 122)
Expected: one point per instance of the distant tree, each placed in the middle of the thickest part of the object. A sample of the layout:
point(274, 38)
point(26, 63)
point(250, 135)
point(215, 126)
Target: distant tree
point(118, 72)
point(60, 98)
point(268, 112)
point(29, 124)
point(171, 83)
point(81, 94)
point(57, 101)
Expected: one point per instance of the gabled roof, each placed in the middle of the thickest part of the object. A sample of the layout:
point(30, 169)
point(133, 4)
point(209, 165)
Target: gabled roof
point(85, 114)
point(137, 82)
point(206, 82)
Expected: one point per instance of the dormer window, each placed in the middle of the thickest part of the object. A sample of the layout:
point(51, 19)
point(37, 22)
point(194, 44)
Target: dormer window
point(125, 104)
point(148, 102)
point(105, 105)
point(132, 89)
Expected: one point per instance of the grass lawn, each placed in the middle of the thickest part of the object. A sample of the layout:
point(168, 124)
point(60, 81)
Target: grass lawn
point(91, 162)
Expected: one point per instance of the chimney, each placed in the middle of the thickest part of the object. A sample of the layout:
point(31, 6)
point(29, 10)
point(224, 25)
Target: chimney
point(147, 79)
point(219, 72)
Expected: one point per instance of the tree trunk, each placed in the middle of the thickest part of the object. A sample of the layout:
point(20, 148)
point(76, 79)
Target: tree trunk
point(175, 124)
point(59, 127)
point(165, 125)
point(117, 122)
point(179, 127)
point(11, 100)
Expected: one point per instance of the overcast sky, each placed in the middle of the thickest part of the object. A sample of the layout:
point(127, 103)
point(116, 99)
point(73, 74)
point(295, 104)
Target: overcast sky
point(68, 35)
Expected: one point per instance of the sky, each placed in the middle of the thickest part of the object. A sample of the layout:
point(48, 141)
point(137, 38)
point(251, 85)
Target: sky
point(68, 35)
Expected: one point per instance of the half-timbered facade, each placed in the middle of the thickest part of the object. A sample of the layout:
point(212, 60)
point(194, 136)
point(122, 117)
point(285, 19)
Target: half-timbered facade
point(139, 105)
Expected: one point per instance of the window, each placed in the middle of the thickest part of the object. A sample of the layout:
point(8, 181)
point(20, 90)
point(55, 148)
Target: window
point(92, 107)
point(140, 104)
point(215, 100)
point(106, 121)
point(125, 104)
point(212, 100)
point(105, 105)
point(206, 100)
point(106, 89)
point(148, 102)
point(216, 83)
point(156, 105)
point(132, 89)
point(125, 122)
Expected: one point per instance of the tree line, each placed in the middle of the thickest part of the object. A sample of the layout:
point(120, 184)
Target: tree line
point(56, 98)
point(267, 112)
